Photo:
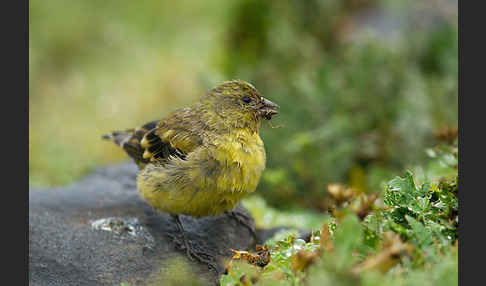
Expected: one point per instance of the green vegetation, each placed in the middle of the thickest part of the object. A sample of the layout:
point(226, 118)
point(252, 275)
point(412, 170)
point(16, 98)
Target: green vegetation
point(365, 88)
point(406, 236)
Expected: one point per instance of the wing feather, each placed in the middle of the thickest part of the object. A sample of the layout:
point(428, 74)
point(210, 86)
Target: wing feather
point(177, 135)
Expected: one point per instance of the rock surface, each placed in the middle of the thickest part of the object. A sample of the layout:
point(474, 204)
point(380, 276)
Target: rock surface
point(99, 232)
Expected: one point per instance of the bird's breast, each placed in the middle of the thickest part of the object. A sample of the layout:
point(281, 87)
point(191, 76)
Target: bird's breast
point(242, 160)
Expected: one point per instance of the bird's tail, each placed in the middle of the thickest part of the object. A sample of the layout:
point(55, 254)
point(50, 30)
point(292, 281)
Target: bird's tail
point(119, 137)
point(130, 139)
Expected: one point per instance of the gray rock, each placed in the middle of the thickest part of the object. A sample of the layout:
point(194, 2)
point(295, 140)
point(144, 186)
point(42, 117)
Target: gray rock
point(99, 232)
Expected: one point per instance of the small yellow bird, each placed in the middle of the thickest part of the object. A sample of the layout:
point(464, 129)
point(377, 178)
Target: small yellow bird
point(201, 160)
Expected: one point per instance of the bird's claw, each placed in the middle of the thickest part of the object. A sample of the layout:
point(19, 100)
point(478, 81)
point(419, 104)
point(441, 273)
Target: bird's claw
point(192, 253)
point(195, 255)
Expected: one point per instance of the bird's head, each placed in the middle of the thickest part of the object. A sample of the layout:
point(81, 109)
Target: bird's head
point(239, 104)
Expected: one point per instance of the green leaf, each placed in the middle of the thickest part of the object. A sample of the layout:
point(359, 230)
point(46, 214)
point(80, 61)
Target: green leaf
point(422, 236)
point(401, 191)
point(347, 237)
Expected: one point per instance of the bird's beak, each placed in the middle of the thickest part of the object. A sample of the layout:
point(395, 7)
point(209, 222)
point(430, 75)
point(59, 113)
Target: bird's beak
point(268, 109)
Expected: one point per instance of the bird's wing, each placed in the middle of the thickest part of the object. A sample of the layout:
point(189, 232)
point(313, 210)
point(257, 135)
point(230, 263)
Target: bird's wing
point(130, 139)
point(173, 136)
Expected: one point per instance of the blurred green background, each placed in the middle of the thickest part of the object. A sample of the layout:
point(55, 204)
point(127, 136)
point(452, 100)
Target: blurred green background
point(364, 86)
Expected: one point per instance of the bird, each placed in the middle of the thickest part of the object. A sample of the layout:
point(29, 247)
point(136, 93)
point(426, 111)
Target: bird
point(201, 160)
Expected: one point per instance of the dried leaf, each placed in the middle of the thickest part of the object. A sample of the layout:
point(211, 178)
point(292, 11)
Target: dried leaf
point(325, 238)
point(393, 249)
point(303, 259)
point(340, 193)
point(261, 258)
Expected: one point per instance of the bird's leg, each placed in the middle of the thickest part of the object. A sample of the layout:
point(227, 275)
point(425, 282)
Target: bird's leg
point(244, 222)
point(190, 251)
point(181, 231)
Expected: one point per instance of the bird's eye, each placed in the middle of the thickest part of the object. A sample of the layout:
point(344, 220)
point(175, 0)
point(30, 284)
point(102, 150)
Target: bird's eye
point(246, 99)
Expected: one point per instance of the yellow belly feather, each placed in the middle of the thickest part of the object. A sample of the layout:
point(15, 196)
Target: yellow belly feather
point(211, 180)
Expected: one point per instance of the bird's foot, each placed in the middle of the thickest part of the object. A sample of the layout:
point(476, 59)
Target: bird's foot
point(197, 255)
point(244, 220)
point(192, 253)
